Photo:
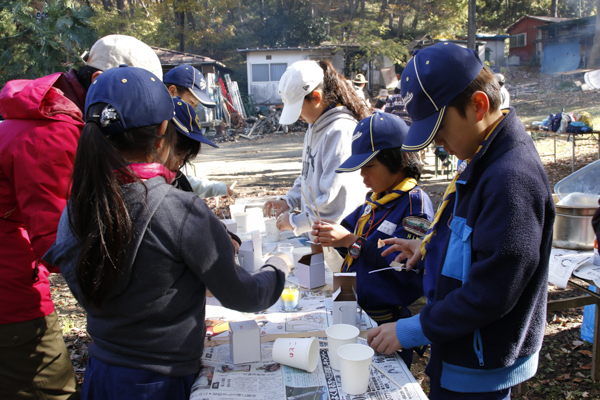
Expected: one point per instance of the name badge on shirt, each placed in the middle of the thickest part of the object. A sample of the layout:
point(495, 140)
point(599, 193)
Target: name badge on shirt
point(387, 227)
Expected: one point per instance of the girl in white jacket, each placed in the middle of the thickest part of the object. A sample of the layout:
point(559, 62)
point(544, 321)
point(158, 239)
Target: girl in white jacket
point(318, 94)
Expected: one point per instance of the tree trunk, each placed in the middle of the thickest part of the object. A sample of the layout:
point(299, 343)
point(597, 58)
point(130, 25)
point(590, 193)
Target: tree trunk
point(472, 32)
point(400, 30)
point(353, 6)
point(121, 7)
point(401, 17)
point(382, 10)
point(107, 4)
point(594, 60)
point(362, 9)
point(314, 9)
point(554, 8)
point(240, 11)
point(180, 24)
point(191, 20)
point(145, 8)
point(131, 8)
point(415, 21)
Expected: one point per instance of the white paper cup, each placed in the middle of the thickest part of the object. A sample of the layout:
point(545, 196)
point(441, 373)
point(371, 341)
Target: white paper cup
point(355, 367)
point(301, 353)
point(271, 230)
point(241, 219)
point(337, 336)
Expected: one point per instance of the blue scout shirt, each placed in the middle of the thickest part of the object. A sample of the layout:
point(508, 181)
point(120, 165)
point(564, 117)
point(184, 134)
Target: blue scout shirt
point(486, 322)
point(381, 293)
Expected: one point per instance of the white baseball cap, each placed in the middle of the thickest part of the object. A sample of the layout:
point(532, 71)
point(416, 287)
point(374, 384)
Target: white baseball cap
point(298, 80)
point(114, 50)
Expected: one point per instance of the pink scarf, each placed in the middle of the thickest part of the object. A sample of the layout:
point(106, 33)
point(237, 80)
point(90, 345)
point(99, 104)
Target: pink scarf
point(145, 171)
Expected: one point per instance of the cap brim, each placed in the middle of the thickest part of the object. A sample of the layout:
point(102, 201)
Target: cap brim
point(203, 98)
point(421, 133)
point(291, 113)
point(199, 137)
point(356, 162)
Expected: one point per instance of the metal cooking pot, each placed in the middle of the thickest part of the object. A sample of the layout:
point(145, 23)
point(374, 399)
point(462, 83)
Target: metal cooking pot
point(573, 228)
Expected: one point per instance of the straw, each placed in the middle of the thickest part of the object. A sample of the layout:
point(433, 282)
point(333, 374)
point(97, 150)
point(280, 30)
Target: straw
point(232, 185)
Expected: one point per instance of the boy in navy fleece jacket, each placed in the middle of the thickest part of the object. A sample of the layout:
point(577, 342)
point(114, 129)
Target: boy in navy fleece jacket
point(486, 253)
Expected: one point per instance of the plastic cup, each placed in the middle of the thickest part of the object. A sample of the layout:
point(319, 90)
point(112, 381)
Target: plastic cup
point(355, 367)
point(337, 336)
point(290, 296)
point(242, 220)
point(286, 248)
point(255, 220)
point(272, 233)
point(298, 253)
point(301, 353)
point(237, 208)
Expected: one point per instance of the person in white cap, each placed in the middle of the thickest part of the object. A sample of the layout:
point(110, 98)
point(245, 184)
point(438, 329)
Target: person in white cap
point(38, 139)
point(317, 93)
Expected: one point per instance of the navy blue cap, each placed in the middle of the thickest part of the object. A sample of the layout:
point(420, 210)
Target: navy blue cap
point(192, 79)
point(375, 133)
point(187, 122)
point(433, 77)
point(135, 97)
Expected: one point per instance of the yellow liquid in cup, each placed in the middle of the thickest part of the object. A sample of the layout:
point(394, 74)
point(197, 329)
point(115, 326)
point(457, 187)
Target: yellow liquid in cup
point(289, 298)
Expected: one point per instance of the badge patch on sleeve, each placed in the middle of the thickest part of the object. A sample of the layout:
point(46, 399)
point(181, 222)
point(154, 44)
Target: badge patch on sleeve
point(415, 225)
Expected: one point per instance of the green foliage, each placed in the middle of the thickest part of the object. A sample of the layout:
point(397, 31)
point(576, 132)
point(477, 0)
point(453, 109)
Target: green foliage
point(141, 26)
point(34, 43)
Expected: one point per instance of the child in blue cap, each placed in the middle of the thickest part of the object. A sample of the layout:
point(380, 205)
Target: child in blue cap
point(189, 84)
point(485, 256)
point(395, 207)
point(129, 248)
point(189, 140)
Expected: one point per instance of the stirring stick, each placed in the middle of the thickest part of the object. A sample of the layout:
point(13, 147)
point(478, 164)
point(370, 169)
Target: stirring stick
point(316, 208)
point(307, 202)
point(386, 375)
point(315, 201)
point(313, 212)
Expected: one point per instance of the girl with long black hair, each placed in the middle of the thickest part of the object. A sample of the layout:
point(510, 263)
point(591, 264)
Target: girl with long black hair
point(134, 250)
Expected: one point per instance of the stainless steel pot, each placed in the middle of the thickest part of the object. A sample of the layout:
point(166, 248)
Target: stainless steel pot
point(573, 228)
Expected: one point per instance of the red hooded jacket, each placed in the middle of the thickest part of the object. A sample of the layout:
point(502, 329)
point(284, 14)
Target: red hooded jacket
point(38, 140)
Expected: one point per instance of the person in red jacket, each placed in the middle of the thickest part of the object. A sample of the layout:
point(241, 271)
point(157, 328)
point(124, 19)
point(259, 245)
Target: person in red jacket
point(38, 140)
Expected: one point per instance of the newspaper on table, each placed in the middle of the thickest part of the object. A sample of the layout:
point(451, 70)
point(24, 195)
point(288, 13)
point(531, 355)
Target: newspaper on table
point(563, 263)
point(268, 380)
point(313, 317)
point(587, 270)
